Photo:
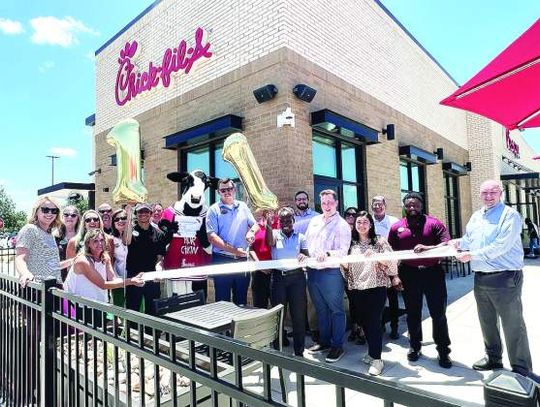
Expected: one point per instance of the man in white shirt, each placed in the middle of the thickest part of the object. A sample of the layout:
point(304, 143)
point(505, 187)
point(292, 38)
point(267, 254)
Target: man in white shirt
point(383, 222)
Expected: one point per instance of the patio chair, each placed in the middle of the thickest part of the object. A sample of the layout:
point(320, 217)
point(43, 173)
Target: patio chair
point(265, 329)
point(164, 306)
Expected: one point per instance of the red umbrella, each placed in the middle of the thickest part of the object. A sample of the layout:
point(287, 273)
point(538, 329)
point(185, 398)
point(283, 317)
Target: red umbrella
point(507, 90)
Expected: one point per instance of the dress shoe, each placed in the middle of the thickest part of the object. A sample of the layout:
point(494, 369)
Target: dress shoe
point(445, 361)
point(394, 334)
point(413, 355)
point(487, 364)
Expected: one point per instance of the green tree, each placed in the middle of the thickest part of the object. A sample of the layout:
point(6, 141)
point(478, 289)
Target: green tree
point(13, 219)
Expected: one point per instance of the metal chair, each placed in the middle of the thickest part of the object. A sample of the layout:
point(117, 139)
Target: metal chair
point(164, 306)
point(260, 331)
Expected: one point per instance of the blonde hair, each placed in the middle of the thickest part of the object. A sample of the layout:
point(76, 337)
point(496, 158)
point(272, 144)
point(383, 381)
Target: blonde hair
point(81, 233)
point(33, 219)
point(93, 234)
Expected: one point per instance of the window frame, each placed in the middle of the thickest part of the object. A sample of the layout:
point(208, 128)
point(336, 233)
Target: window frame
point(338, 182)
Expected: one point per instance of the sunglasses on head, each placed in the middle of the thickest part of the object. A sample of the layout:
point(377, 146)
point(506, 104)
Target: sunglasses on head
point(54, 211)
point(105, 210)
point(228, 189)
point(90, 220)
point(120, 218)
point(70, 215)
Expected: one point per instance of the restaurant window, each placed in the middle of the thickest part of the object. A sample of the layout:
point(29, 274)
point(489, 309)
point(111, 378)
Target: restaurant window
point(337, 165)
point(412, 179)
point(207, 157)
point(451, 202)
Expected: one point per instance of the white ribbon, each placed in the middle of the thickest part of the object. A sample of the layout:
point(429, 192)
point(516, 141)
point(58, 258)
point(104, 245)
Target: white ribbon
point(290, 264)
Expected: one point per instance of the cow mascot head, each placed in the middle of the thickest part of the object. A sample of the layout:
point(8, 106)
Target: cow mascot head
point(189, 245)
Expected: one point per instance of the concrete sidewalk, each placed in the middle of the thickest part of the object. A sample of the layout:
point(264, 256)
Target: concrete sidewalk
point(461, 381)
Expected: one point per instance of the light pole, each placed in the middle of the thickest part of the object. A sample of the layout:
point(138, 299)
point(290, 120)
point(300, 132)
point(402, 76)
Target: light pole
point(52, 157)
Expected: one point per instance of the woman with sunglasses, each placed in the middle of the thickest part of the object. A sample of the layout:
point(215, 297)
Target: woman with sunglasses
point(121, 222)
point(70, 225)
point(90, 220)
point(368, 282)
point(37, 255)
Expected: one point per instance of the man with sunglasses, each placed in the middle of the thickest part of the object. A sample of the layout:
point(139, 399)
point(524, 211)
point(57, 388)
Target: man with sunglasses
point(382, 223)
point(231, 228)
point(105, 211)
point(146, 248)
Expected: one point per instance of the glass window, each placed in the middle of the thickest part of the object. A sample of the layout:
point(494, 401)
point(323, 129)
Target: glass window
point(335, 166)
point(208, 158)
point(348, 162)
point(223, 168)
point(412, 178)
point(324, 156)
point(451, 203)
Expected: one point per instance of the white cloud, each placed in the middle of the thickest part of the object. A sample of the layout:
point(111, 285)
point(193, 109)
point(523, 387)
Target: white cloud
point(10, 27)
point(46, 66)
point(91, 55)
point(63, 151)
point(56, 31)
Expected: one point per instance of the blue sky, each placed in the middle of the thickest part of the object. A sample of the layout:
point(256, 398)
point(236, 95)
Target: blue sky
point(48, 83)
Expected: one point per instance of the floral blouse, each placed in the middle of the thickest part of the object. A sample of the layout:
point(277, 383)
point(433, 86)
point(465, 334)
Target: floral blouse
point(371, 274)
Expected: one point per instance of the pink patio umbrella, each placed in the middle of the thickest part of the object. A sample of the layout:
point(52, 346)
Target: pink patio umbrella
point(507, 90)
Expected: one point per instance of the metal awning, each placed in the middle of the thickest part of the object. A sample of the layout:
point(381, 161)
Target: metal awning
point(529, 181)
point(417, 154)
point(210, 129)
point(333, 122)
point(455, 168)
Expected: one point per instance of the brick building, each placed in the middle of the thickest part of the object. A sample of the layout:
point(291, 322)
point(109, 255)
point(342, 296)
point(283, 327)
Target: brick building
point(369, 74)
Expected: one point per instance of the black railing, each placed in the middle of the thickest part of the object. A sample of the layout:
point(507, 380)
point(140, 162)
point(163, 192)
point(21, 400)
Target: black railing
point(88, 348)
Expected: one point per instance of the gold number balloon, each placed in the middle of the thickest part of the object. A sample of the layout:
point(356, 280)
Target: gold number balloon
point(236, 151)
point(126, 138)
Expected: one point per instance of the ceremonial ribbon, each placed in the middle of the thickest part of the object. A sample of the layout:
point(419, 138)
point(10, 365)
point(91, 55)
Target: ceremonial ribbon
point(290, 264)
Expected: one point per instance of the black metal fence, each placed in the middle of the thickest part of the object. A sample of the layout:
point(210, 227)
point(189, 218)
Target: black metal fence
point(57, 349)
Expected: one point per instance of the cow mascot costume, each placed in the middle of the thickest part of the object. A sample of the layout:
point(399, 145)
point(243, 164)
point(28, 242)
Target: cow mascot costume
point(189, 246)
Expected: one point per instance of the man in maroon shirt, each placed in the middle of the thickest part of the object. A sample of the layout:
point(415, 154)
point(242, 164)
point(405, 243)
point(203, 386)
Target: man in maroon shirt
point(422, 277)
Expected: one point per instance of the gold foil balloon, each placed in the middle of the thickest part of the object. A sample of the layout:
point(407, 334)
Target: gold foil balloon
point(236, 150)
point(126, 138)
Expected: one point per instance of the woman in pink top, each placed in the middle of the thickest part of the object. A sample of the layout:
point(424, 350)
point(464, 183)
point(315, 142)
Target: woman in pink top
point(368, 282)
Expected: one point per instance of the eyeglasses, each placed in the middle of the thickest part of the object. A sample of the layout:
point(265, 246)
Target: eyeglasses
point(91, 220)
point(493, 193)
point(70, 215)
point(54, 211)
point(120, 219)
point(349, 214)
point(228, 189)
point(105, 210)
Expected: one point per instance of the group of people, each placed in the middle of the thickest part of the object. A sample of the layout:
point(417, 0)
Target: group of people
point(107, 250)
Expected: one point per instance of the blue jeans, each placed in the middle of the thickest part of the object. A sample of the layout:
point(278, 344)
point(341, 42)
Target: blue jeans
point(533, 245)
point(223, 284)
point(327, 291)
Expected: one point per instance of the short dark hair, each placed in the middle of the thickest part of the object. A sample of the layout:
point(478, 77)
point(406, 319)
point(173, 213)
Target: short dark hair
point(301, 192)
point(413, 195)
point(223, 181)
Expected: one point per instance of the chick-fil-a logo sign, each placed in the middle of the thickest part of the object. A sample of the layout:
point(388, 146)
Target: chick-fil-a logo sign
point(130, 82)
point(512, 146)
